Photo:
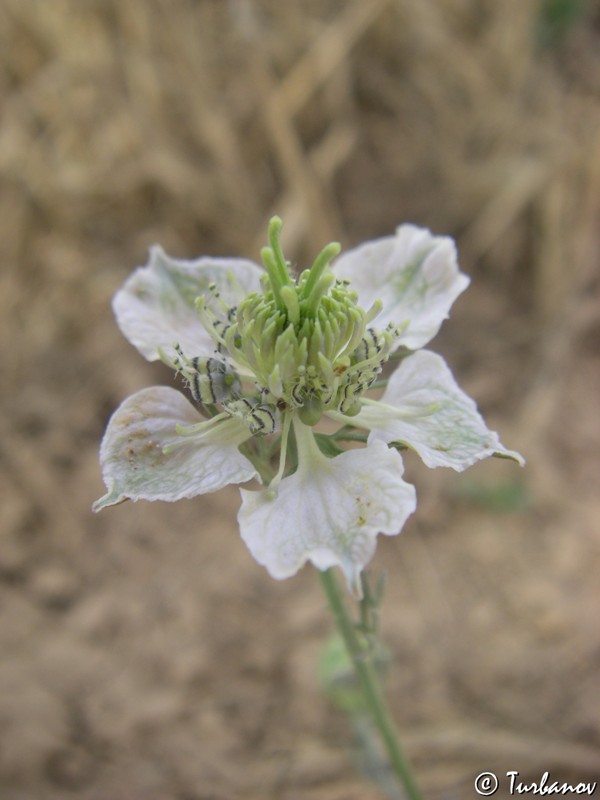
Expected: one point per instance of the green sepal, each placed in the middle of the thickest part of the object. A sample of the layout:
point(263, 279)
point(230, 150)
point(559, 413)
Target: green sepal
point(327, 445)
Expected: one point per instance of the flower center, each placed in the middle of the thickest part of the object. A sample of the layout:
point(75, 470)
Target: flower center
point(306, 340)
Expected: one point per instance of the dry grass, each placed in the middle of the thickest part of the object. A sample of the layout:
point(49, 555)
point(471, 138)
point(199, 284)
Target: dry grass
point(133, 672)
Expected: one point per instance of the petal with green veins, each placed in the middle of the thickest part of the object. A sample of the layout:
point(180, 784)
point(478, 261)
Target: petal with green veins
point(143, 457)
point(414, 274)
point(424, 409)
point(328, 512)
point(156, 308)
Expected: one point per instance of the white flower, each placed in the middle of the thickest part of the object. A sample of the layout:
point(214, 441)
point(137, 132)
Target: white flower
point(265, 354)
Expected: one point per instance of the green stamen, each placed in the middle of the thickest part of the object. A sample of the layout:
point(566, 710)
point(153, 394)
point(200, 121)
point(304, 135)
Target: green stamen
point(274, 273)
point(373, 311)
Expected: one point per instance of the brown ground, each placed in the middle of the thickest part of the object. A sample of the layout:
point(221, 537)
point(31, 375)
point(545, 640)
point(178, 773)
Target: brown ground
point(144, 655)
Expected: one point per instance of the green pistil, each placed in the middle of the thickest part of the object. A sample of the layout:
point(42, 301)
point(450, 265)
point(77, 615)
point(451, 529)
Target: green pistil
point(300, 299)
point(318, 268)
point(304, 340)
point(318, 292)
point(277, 268)
point(316, 344)
point(328, 338)
point(275, 226)
point(290, 299)
point(274, 273)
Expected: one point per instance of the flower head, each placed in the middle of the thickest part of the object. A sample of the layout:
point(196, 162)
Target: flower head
point(265, 356)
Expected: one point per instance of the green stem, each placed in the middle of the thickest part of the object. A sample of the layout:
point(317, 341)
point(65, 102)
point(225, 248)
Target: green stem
point(369, 683)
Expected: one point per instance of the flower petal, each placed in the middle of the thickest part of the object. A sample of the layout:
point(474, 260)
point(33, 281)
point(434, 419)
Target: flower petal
point(425, 409)
point(328, 512)
point(414, 274)
point(136, 467)
point(156, 306)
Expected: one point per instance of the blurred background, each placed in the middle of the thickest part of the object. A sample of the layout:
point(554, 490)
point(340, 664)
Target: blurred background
point(143, 653)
